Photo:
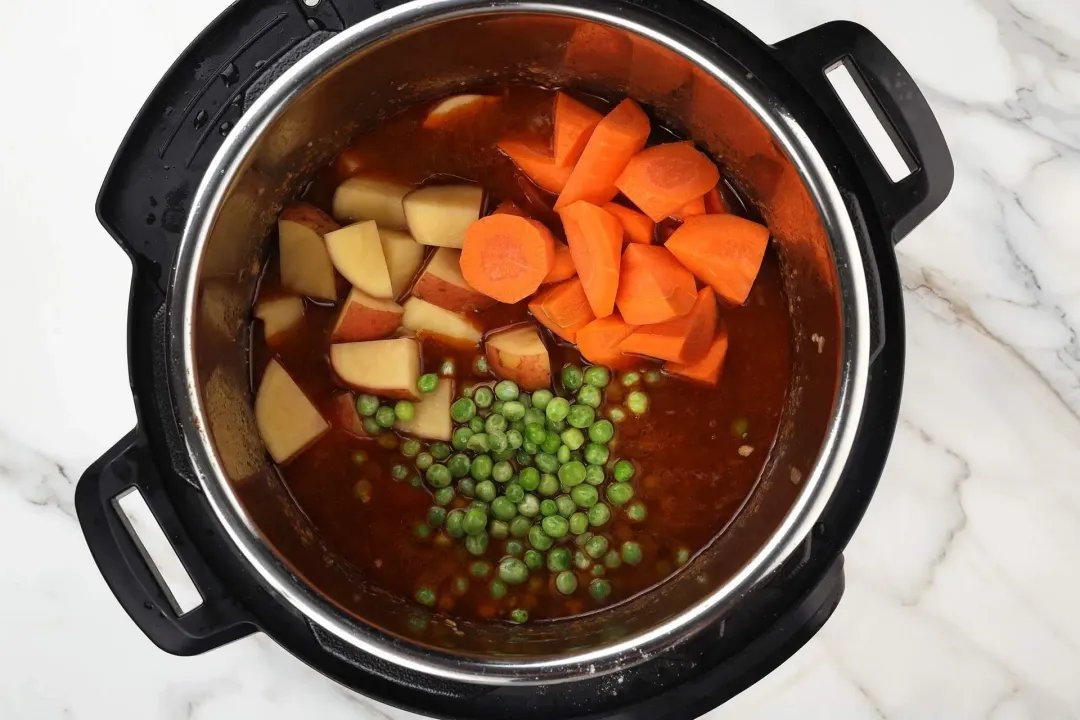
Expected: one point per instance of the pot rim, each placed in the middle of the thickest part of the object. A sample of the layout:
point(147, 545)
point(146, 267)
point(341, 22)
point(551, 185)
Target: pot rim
point(818, 485)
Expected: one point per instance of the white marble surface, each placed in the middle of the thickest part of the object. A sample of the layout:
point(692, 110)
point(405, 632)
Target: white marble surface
point(964, 577)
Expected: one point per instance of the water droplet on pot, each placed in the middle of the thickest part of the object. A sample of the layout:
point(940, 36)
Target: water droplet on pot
point(230, 74)
point(153, 201)
point(259, 64)
point(225, 127)
point(151, 218)
point(315, 24)
point(201, 119)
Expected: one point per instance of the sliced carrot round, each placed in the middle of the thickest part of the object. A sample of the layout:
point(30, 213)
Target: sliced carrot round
point(662, 179)
point(506, 257)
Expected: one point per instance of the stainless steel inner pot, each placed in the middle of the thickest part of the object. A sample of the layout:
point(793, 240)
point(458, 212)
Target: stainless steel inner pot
point(424, 50)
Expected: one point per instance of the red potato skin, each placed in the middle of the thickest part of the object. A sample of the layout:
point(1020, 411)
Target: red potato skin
point(532, 372)
point(344, 417)
point(310, 216)
point(448, 296)
point(358, 322)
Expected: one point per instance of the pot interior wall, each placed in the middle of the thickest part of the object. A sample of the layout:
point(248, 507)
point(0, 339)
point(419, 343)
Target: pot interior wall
point(476, 51)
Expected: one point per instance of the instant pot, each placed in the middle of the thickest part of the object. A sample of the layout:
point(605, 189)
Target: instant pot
point(271, 92)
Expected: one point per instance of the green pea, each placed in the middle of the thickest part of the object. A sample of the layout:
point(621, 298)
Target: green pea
point(590, 396)
point(598, 376)
point(411, 448)
point(616, 414)
point(526, 399)
point(422, 531)
point(612, 559)
point(427, 383)
point(480, 505)
point(482, 466)
point(458, 465)
point(463, 410)
point(619, 493)
point(477, 544)
point(631, 379)
point(580, 540)
point(515, 439)
point(460, 439)
point(447, 368)
point(497, 407)
point(467, 487)
point(558, 559)
point(596, 454)
point(579, 523)
point(571, 378)
point(499, 530)
point(399, 472)
point(529, 507)
point(468, 392)
point(426, 596)
point(438, 476)
point(513, 410)
point(495, 423)
point(549, 485)
point(385, 417)
point(519, 616)
point(497, 440)
point(740, 427)
point(539, 539)
point(461, 585)
point(541, 398)
point(481, 366)
point(498, 589)
point(582, 561)
point(653, 377)
point(475, 521)
point(441, 451)
point(584, 496)
point(502, 472)
point(637, 402)
point(596, 546)
point(623, 471)
point(563, 455)
point(557, 427)
point(529, 478)
point(454, 523)
point(371, 427)
point(535, 433)
point(515, 493)
point(416, 482)
point(477, 424)
point(557, 409)
point(483, 397)
point(513, 571)
point(581, 416)
point(507, 390)
point(404, 410)
point(503, 509)
point(599, 571)
point(486, 491)
point(599, 515)
point(601, 431)
point(546, 462)
point(523, 458)
point(566, 582)
point(549, 507)
point(600, 589)
point(566, 504)
point(556, 526)
point(594, 475)
point(444, 496)
point(636, 512)
point(367, 405)
point(631, 552)
point(533, 417)
point(436, 516)
point(572, 438)
point(572, 473)
point(682, 556)
point(533, 560)
point(519, 526)
point(551, 442)
point(480, 569)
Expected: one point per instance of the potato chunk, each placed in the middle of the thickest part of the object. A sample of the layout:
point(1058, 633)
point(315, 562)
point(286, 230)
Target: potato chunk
point(389, 368)
point(287, 420)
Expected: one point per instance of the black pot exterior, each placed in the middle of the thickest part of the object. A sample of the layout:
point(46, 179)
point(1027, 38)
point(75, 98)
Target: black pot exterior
point(144, 204)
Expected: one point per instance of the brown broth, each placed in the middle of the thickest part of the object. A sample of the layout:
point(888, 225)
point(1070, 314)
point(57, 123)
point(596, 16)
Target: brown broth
point(692, 476)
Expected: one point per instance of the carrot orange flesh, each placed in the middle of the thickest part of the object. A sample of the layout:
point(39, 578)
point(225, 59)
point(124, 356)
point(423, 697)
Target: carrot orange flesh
point(639, 228)
point(506, 257)
point(595, 238)
point(563, 309)
point(723, 251)
point(683, 340)
point(691, 209)
point(663, 178)
point(619, 136)
point(599, 341)
point(714, 202)
point(653, 286)
point(537, 165)
point(574, 125)
point(708, 369)
point(563, 269)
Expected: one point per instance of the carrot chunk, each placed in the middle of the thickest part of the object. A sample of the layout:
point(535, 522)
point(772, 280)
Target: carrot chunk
point(537, 165)
point(563, 309)
point(506, 257)
point(639, 228)
point(564, 268)
point(706, 370)
point(653, 286)
point(574, 125)
point(599, 341)
point(691, 209)
point(663, 178)
point(619, 136)
point(714, 202)
point(595, 238)
point(683, 340)
point(723, 251)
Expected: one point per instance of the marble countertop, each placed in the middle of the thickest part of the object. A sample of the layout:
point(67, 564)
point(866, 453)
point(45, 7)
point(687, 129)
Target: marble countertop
point(963, 578)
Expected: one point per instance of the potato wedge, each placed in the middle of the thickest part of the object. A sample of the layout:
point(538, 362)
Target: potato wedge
point(287, 420)
point(279, 316)
point(367, 197)
point(431, 419)
point(357, 252)
point(442, 284)
point(423, 318)
point(388, 368)
point(364, 317)
point(519, 354)
point(306, 268)
point(439, 215)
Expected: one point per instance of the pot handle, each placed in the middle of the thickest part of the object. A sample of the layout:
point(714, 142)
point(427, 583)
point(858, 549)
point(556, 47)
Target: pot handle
point(899, 105)
point(131, 575)
point(145, 199)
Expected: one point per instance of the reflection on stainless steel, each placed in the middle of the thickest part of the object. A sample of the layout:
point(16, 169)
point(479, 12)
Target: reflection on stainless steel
point(427, 49)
